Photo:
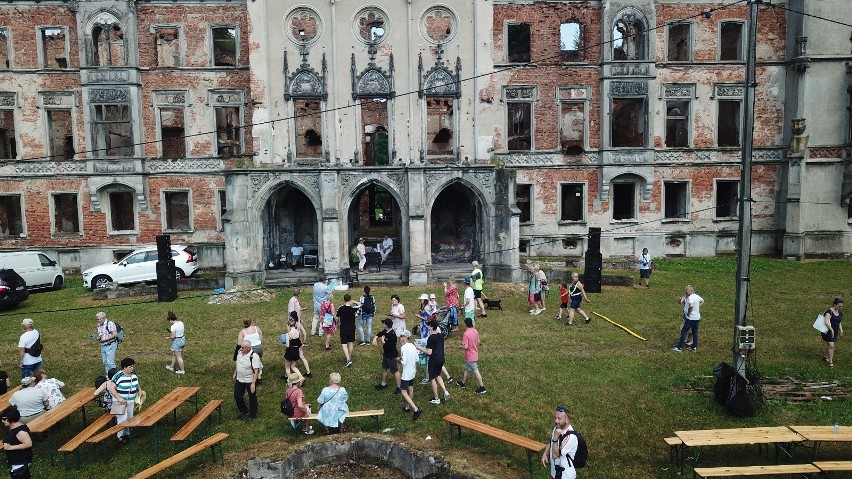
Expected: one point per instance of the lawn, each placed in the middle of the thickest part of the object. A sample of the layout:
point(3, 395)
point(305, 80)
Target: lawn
point(625, 394)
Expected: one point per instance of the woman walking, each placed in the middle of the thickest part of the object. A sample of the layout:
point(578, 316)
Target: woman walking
point(397, 315)
point(177, 337)
point(254, 336)
point(333, 408)
point(297, 398)
point(577, 294)
point(17, 443)
point(451, 301)
point(832, 316)
point(328, 321)
point(124, 387)
point(293, 344)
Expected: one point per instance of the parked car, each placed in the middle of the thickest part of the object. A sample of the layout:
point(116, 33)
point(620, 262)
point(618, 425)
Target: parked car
point(13, 289)
point(37, 269)
point(140, 266)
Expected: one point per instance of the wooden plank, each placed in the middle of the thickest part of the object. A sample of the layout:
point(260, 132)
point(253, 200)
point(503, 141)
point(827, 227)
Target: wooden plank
point(62, 410)
point(151, 415)
point(829, 466)
point(4, 399)
point(190, 451)
point(756, 470)
point(496, 433)
point(753, 435)
point(824, 433)
point(80, 438)
point(673, 441)
point(197, 420)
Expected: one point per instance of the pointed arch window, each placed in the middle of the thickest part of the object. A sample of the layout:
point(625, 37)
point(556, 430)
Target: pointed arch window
point(108, 45)
point(630, 36)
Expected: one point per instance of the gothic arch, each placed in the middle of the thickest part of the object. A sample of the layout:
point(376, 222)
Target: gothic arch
point(353, 193)
point(459, 233)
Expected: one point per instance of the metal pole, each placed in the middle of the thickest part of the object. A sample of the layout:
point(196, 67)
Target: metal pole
point(744, 232)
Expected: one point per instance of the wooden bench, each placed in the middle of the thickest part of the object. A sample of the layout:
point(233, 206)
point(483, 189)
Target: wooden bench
point(74, 444)
point(212, 442)
point(833, 466)
point(373, 414)
point(4, 399)
point(675, 448)
point(755, 470)
point(191, 425)
point(528, 444)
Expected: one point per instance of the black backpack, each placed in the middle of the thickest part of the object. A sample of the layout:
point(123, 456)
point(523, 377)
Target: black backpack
point(369, 306)
point(36, 349)
point(287, 407)
point(582, 454)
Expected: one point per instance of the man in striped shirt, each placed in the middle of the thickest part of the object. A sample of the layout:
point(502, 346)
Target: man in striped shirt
point(124, 387)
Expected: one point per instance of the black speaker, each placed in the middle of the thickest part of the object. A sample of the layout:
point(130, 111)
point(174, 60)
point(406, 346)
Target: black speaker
point(594, 240)
point(164, 248)
point(592, 285)
point(593, 271)
point(166, 281)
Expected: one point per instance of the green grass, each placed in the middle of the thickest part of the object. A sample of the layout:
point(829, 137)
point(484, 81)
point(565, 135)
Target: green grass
point(624, 393)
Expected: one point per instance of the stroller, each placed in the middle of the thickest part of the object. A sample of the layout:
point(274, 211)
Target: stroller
point(441, 316)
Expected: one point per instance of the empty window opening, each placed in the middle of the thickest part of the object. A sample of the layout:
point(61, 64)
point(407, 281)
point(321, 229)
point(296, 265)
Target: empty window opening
point(731, 41)
point(519, 126)
point(623, 201)
point(569, 42)
point(223, 208)
point(66, 213)
point(108, 44)
point(439, 126)
point(371, 26)
point(168, 46)
point(177, 210)
point(572, 202)
point(172, 132)
point(572, 128)
point(8, 142)
point(60, 134)
point(5, 64)
point(524, 246)
point(523, 200)
point(727, 193)
point(53, 48)
point(228, 130)
point(308, 121)
point(677, 199)
point(122, 211)
point(376, 143)
point(680, 42)
point(518, 42)
point(455, 226)
point(628, 40)
point(728, 122)
point(629, 117)
point(677, 123)
point(11, 216)
point(225, 46)
point(113, 131)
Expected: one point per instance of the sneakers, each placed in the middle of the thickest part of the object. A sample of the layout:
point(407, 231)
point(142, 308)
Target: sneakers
point(406, 409)
point(348, 364)
point(309, 375)
point(309, 431)
point(362, 343)
point(558, 318)
point(170, 368)
point(588, 320)
point(397, 391)
point(532, 311)
point(180, 372)
point(677, 348)
point(461, 384)
point(424, 381)
point(446, 395)
point(449, 379)
point(435, 401)
point(417, 414)
point(380, 386)
point(694, 350)
point(537, 312)
point(481, 390)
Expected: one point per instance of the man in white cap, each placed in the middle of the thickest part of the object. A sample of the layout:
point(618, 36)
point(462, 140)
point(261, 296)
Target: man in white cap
point(31, 401)
point(29, 349)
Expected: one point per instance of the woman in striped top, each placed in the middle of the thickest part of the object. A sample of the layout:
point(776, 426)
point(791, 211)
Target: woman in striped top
point(124, 387)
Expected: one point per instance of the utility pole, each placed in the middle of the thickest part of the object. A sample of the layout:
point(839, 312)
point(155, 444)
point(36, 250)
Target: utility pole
point(745, 200)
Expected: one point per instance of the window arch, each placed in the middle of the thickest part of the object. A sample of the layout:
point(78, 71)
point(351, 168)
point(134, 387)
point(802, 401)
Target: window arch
point(630, 36)
point(108, 45)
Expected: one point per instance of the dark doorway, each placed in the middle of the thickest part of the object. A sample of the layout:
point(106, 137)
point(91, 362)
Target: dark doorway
point(455, 226)
point(374, 214)
point(288, 217)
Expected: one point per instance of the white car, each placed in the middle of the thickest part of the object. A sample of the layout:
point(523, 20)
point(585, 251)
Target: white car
point(140, 266)
point(37, 269)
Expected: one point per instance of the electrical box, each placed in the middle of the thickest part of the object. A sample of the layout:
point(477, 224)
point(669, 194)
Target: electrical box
point(745, 337)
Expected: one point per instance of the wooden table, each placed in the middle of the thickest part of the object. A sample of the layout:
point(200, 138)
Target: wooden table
point(4, 399)
point(777, 435)
point(153, 414)
point(46, 421)
point(819, 434)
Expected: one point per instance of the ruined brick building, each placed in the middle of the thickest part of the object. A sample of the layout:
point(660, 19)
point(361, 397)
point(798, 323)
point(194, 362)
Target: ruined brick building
point(462, 130)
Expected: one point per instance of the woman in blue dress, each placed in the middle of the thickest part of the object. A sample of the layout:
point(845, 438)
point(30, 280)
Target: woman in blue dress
point(833, 316)
point(333, 407)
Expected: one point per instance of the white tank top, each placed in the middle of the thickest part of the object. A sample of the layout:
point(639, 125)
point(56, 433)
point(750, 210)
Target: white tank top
point(253, 338)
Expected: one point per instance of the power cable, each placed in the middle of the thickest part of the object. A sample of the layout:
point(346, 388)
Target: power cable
point(809, 15)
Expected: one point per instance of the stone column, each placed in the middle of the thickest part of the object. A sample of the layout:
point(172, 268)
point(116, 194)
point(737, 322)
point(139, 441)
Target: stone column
point(243, 235)
point(794, 230)
point(330, 250)
point(418, 271)
point(506, 228)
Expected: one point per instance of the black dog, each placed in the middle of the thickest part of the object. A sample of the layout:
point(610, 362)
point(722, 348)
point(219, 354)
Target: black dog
point(493, 304)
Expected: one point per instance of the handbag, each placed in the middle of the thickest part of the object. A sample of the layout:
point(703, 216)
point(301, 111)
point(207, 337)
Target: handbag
point(21, 472)
point(819, 324)
point(117, 409)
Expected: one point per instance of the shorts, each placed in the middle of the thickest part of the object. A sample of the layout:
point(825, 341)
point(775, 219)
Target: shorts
point(644, 273)
point(468, 314)
point(406, 383)
point(537, 296)
point(178, 344)
point(434, 369)
point(470, 366)
point(291, 354)
point(563, 305)
point(347, 336)
point(575, 302)
point(477, 293)
point(389, 364)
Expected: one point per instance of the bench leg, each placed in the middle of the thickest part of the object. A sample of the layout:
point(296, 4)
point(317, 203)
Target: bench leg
point(376, 421)
point(530, 462)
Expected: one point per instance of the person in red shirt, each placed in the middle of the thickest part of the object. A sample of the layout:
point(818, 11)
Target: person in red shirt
point(451, 300)
point(564, 299)
point(470, 345)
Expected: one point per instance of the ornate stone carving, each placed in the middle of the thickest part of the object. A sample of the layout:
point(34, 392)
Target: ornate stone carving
point(439, 81)
point(373, 81)
point(303, 26)
point(733, 91)
point(485, 179)
point(7, 99)
point(594, 157)
point(348, 179)
point(520, 93)
point(629, 88)
point(573, 93)
point(183, 164)
point(305, 81)
point(111, 95)
point(107, 76)
point(310, 179)
point(113, 166)
point(170, 98)
point(371, 25)
point(59, 98)
point(766, 155)
point(679, 91)
point(49, 167)
point(258, 181)
point(825, 152)
point(521, 159)
point(396, 179)
point(628, 158)
point(228, 98)
point(669, 156)
point(630, 70)
point(438, 24)
point(702, 156)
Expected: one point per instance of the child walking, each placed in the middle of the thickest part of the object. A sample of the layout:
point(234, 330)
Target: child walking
point(563, 299)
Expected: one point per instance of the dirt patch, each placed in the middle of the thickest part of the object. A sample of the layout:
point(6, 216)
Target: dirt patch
point(353, 470)
point(242, 296)
point(794, 390)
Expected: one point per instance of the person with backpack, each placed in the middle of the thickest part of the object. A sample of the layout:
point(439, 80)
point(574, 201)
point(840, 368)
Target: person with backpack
point(296, 397)
point(246, 371)
point(365, 317)
point(108, 338)
point(566, 451)
point(29, 349)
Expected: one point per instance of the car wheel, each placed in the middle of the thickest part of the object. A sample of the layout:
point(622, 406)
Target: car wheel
point(178, 274)
point(57, 283)
point(101, 281)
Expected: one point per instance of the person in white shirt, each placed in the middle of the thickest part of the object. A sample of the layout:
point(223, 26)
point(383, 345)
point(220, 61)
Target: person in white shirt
point(361, 251)
point(177, 336)
point(31, 401)
point(562, 447)
point(645, 268)
point(29, 363)
point(385, 248)
point(469, 300)
point(408, 358)
point(296, 252)
point(693, 316)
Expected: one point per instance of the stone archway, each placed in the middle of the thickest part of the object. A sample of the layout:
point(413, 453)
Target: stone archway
point(289, 216)
point(374, 213)
point(456, 225)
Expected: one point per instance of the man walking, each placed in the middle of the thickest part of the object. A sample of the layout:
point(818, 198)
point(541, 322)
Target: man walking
point(408, 358)
point(320, 292)
point(346, 315)
point(389, 354)
point(470, 345)
point(562, 447)
point(361, 251)
point(245, 380)
point(365, 316)
point(29, 353)
point(108, 337)
point(693, 315)
point(477, 280)
point(535, 292)
point(435, 350)
point(645, 268)
point(469, 300)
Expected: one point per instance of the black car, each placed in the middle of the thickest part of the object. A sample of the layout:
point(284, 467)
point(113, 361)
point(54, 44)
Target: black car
point(13, 289)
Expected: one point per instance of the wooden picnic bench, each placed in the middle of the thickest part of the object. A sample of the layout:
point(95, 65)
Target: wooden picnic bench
point(816, 435)
point(779, 436)
point(833, 466)
point(191, 425)
point(528, 444)
point(675, 448)
point(74, 444)
point(755, 470)
point(4, 399)
point(46, 421)
point(212, 442)
point(373, 414)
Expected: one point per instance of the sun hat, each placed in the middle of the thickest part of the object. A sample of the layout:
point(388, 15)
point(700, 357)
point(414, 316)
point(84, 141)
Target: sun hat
point(27, 322)
point(405, 334)
point(424, 296)
point(27, 381)
point(294, 378)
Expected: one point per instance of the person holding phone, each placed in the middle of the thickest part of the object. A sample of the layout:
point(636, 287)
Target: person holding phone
point(561, 448)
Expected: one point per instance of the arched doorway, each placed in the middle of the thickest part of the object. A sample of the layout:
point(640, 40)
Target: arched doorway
point(373, 215)
point(289, 217)
point(456, 225)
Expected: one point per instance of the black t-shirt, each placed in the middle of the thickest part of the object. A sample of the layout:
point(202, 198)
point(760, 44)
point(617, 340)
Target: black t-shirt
point(435, 342)
point(347, 318)
point(18, 456)
point(3, 377)
point(390, 343)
